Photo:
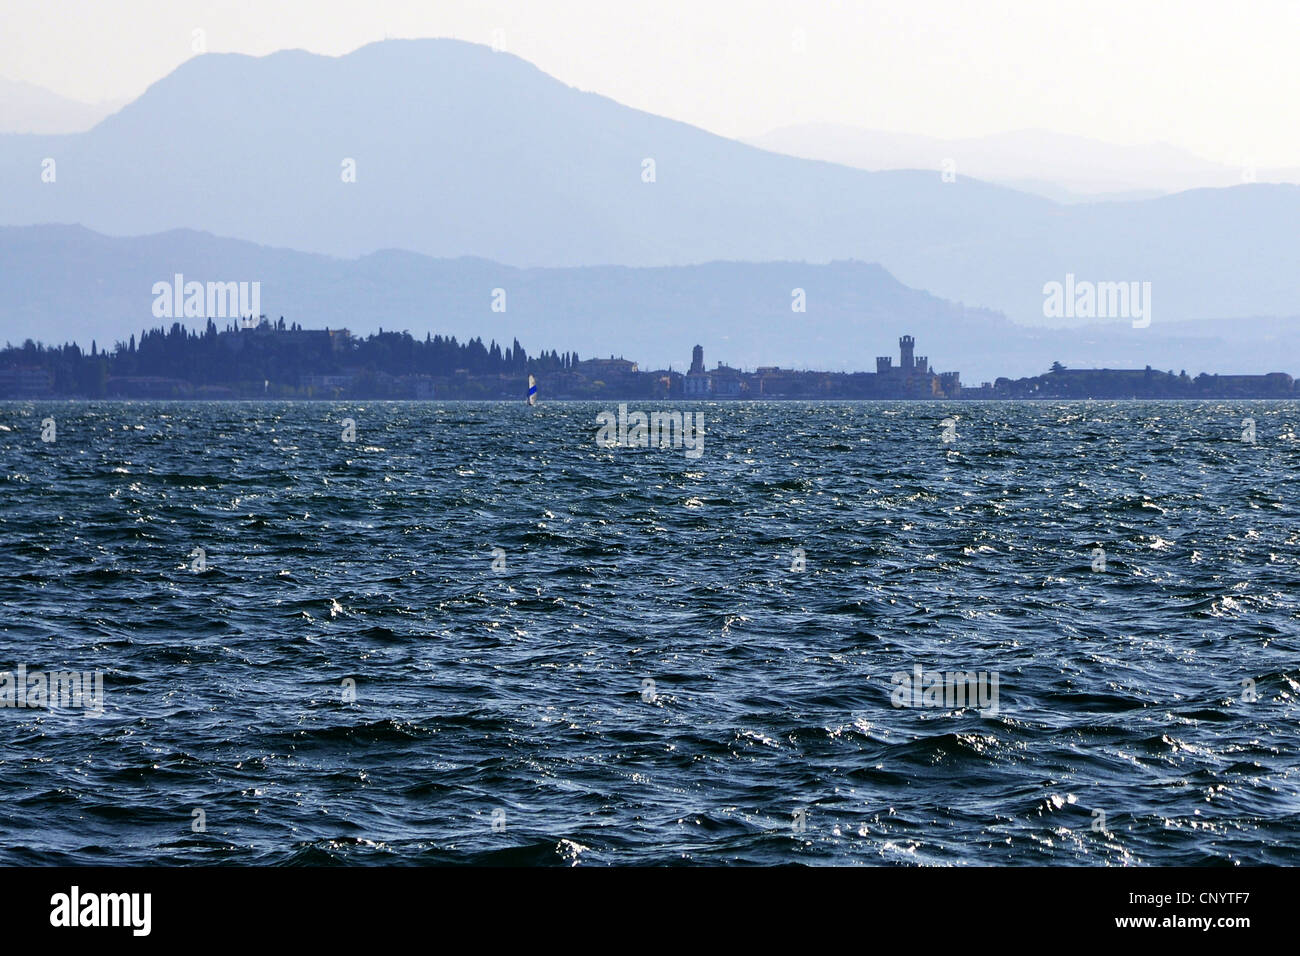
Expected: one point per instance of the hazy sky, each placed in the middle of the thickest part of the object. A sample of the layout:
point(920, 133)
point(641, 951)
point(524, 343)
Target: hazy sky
point(1221, 79)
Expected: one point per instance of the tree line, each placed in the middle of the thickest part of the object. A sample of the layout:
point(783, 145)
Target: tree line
point(273, 352)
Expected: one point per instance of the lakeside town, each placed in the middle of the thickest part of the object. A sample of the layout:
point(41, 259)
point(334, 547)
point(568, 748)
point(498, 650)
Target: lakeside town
point(272, 360)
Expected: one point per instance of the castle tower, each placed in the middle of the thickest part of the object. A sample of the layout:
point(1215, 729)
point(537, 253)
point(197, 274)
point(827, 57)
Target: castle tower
point(905, 346)
point(883, 364)
point(697, 360)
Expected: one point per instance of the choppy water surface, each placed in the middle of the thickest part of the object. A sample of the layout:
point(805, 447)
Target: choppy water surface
point(522, 695)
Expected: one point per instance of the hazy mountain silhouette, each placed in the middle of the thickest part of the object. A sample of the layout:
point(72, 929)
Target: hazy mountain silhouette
point(463, 151)
point(27, 108)
point(65, 283)
point(1059, 166)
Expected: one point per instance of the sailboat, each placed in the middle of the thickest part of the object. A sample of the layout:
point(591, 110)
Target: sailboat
point(532, 390)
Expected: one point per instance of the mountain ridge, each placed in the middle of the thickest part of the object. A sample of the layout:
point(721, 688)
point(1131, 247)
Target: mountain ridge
point(460, 150)
point(1060, 166)
point(67, 283)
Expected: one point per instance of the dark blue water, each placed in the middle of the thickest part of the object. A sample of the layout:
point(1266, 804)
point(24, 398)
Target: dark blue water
point(521, 695)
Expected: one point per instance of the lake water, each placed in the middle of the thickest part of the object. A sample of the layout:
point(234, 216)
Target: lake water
point(473, 634)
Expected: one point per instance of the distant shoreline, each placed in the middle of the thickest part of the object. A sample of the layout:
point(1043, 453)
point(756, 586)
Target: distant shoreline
point(279, 361)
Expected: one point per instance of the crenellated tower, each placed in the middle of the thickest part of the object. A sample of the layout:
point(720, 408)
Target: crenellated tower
point(905, 346)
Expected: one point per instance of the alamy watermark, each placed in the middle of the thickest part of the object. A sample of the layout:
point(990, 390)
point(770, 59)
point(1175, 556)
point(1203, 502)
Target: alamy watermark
point(947, 689)
point(1098, 300)
point(197, 300)
point(50, 689)
point(129, 910)
point(657, 430)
